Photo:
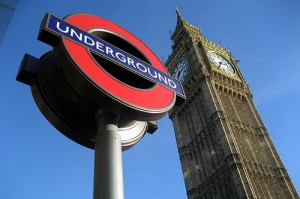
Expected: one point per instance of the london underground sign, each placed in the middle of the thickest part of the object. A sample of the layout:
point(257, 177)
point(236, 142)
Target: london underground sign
point(96, 64)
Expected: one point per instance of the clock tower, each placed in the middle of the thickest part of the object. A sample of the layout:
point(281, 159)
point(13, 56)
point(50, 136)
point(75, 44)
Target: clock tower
point(224, 147)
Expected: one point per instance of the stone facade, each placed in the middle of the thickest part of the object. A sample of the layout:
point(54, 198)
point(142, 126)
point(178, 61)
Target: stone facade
point(224, 147)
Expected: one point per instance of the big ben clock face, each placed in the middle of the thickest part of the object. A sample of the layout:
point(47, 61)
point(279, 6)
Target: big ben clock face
point(181, 69)
point(220, 62)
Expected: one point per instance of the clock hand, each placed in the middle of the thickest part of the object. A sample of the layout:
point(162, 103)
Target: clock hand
point(178, 74)
point(220, 63)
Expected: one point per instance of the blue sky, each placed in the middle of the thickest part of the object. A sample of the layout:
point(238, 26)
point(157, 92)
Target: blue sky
point(39, 162)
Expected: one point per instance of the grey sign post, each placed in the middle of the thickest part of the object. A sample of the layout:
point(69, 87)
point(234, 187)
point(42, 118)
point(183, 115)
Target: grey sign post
point(108, 173)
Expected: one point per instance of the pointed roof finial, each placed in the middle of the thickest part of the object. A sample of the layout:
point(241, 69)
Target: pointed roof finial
point(180, 19)
point(177, 11)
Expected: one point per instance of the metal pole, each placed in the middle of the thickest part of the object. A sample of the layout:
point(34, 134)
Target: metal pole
point(108, 171)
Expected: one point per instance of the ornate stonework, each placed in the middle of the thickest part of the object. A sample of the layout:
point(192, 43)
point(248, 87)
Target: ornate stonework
point(224, 147)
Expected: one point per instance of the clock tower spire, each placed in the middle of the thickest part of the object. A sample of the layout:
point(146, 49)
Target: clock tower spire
point(224, 148)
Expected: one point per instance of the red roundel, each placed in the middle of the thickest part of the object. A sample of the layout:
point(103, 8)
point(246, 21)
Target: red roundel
point(156, 98)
